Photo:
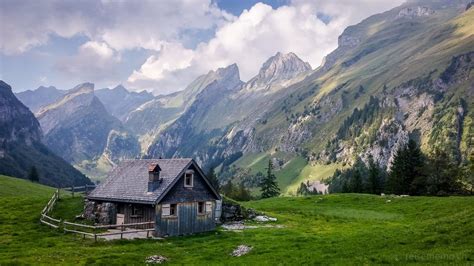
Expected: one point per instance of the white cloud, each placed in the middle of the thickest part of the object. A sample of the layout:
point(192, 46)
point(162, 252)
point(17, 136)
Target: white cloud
point(94, 61)
point(121, 24)
point(256, 35)
point(165, 28)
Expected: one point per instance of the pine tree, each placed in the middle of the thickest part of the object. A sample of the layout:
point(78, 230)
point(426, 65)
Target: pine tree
point(269, 186)
point(228, 189)
point(397, 172)
point(375, 180)
point(443, 177)
point(242, 194)
point(33, 175)
point(212, 177)
point(407, 172)
point(415, 177)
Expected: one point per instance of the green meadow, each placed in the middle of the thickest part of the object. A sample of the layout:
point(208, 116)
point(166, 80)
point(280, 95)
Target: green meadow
point(334, 229)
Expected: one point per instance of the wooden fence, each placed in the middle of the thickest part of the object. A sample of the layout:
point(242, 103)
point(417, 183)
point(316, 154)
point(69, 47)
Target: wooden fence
point(45, 218)
point(90, 230)
point(86, 189)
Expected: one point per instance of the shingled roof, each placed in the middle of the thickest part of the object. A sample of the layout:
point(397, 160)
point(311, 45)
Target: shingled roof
point(128, 182)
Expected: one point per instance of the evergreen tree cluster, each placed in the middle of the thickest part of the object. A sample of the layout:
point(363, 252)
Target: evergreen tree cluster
point(359, 179)
point(412, 173)
point(237, 192)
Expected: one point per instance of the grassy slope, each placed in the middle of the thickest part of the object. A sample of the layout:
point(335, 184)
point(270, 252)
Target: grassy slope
point(335, 229)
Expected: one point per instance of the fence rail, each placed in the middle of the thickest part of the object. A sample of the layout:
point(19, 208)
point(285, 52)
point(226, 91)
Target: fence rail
point(86, 189)
point(82, 229)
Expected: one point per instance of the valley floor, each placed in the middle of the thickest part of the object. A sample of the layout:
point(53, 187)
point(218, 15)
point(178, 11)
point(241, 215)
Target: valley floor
point(334, 229)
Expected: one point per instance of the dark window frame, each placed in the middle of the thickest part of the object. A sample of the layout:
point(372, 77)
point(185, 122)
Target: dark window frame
point(201, 208)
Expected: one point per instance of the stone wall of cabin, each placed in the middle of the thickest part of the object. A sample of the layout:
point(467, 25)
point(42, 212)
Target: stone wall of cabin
point(100, 212)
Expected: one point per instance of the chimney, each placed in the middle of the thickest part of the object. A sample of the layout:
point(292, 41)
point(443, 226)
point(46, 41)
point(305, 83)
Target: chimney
point(153, 177)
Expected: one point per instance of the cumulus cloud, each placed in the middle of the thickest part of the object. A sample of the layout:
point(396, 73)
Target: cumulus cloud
point(121, 24)
point(257, 34)
point(94, 61)
point(306, 27)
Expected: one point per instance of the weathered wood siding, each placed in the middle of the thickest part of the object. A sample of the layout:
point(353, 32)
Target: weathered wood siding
point(188, 221)
point(147, 214)
point(199, 192)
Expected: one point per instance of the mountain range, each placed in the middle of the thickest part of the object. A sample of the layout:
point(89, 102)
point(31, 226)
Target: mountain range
point(405, 73)
point(21, 146)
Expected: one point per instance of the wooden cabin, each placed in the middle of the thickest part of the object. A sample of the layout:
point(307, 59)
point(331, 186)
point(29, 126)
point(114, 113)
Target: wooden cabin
point(174, 193)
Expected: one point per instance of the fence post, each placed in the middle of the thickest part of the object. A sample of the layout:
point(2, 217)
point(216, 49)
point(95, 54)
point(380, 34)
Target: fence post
point(72, 190)
point(121, 231)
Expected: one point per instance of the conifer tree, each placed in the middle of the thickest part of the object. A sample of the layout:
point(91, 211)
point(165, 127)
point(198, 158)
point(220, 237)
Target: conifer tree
point(443, 176)
point(396, 181)
point(33, 175)
point(269, 186)
point(212, 177)
point(375, 180)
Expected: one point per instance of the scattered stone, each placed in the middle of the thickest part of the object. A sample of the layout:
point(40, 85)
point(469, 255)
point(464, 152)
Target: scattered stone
point(251, 213)
point(156, 259)
point(382, 194)
point(241, 250)
point(234, 226)
point(239, 226)
point(264, 218)
point(231, 212)
point(388, 201)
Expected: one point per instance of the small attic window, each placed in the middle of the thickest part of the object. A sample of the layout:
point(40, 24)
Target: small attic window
point(188, 179)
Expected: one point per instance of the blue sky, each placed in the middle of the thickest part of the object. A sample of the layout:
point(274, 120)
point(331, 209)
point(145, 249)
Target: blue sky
point(163, 45)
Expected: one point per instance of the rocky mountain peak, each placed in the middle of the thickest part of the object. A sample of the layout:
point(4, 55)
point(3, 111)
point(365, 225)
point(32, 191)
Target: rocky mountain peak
point(282, 67)
point(16, 120)
point(229, 74)
point(82, 88)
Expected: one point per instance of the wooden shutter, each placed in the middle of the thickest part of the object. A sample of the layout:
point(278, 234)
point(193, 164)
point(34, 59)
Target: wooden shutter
point(208, 206)
point(165, 210)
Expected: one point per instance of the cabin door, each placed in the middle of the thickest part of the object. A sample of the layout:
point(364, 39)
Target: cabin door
point(186, 217)
point(120, 218)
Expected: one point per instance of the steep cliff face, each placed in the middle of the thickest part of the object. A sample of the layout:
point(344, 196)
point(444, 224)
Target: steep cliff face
point(17, 123)
point(227, 109)
point(77, 126)
point(79, 129)
point(21, 147)
point(154, 116)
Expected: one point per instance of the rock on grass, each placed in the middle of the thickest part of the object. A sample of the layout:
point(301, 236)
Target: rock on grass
point(241, 250)
point(156, 259)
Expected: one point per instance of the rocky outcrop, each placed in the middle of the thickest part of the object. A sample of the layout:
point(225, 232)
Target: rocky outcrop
point(413, 12)
point(277, 68)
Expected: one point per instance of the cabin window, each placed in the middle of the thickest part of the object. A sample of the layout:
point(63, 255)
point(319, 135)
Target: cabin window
point(136, 211)
point(201, 207)
point(188, 179)
point(168, 210)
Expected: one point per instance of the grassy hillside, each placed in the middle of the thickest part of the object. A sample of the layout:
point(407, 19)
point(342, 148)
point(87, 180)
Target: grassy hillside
point(334, 229)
